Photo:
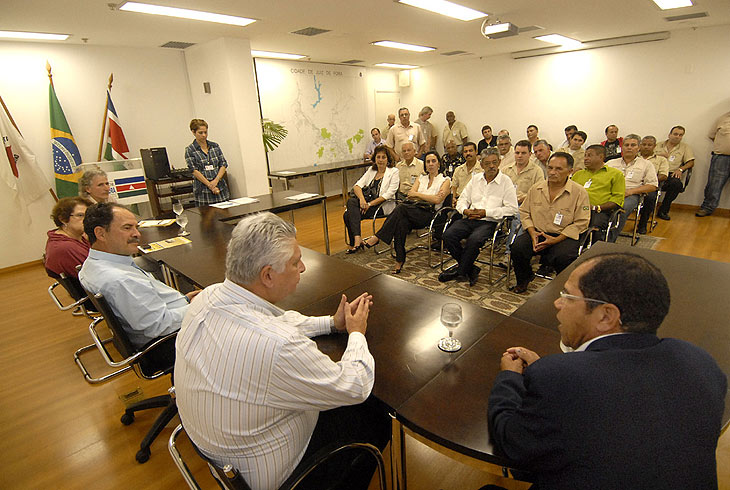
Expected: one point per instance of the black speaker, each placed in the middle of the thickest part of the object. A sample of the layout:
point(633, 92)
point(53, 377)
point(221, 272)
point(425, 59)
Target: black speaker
point(156, 164)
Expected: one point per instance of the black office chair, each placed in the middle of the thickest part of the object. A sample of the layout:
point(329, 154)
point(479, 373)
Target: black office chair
point(596, 233)
point(634, 235)
point(81, 305)
point(229, 478)
point(140, 361)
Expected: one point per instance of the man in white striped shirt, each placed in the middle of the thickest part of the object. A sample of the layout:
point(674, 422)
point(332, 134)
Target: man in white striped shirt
point(249, 380)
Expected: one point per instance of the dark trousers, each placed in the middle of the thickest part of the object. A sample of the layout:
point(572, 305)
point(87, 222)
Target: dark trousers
point(353, 216)
point(367, 422)
point(476, 232)
point(600, 220)
point(560, 256)
point(647, 209)
point(400, 222)
point(719, 174)
point(672, 187)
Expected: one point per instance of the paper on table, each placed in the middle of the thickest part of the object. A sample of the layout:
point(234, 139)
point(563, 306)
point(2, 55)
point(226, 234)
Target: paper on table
point(223, 205)
point(286, 172)
point(244, 200)
point(148, 223)
point(162, 244)
point(302, 196)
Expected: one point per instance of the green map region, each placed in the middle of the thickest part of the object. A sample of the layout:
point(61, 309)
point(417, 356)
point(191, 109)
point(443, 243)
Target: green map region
point(358, 136)
point(325, 134)
point(320, 152)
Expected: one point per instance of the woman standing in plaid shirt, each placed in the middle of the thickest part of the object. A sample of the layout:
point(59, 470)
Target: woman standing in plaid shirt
point(208, 165)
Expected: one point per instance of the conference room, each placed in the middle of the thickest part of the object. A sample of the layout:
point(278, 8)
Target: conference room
point(638, 78)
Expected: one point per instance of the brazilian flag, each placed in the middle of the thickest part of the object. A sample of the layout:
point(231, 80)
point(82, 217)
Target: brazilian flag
point(66, 156)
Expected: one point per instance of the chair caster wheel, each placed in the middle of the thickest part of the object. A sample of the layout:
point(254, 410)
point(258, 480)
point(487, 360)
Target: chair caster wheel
point(142, 456)
point(127, 418)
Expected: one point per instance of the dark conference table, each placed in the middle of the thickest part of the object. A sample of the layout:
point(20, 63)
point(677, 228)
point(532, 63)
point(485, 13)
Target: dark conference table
point(319, 171)
point(438, 397)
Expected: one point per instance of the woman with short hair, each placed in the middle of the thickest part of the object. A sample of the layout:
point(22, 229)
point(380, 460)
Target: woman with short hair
point(67, 245)
point(205, 159)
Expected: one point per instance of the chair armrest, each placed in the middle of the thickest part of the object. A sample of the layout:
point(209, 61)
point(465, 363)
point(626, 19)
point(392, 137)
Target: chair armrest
point(179, 461)
point(58, 303)
point(329, 451)
point(129, 360)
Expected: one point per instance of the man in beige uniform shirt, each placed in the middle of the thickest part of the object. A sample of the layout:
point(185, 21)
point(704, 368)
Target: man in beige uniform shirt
point(661, 165)
point(506, 153)
point(463, 173)
point(554, 214)
point(429, 132)
point(455, 131)
point(719, 165)
point(681, 158)
point(409, 169)
point(405, 131)
point(541, 150)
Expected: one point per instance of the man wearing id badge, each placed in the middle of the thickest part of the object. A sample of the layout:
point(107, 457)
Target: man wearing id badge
point(409, 169)
point(554, 214)
point(681, 158)
point(205, 159)
point(605, 186)
point(640, 178)
point(405, 131)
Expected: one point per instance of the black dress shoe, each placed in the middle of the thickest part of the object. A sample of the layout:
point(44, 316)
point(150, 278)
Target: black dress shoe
point(448, 275)
point(474, 275)
point(520, 288)
point(663, 216)
point(641, 230)
point(545, 270)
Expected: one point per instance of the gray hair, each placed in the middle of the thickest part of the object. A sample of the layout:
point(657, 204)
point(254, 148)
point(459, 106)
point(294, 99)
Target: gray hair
point(504, 137)
point(258, 240)
point(86, 178)
point(490, 151)
point(426, 110)
point(408, 143)
point(633, 136)
point(541, 142)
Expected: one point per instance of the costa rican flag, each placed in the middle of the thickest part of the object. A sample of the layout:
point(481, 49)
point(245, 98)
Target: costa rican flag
point(128, 186)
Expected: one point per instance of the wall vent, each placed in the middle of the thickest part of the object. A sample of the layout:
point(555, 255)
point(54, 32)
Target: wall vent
point(176, 45)
point(351, 62)
point(453, 53)
point(697, 15)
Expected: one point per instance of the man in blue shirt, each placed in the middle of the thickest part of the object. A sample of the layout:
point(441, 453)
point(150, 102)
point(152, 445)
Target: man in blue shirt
point(146, 308)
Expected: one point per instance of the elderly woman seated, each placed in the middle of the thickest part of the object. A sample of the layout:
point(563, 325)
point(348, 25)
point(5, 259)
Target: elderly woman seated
point(379, 184)
point(424, 199)
point(67, 245)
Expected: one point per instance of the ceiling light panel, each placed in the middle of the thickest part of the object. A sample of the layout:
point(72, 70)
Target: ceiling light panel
point(396, 65)
point(673, 4)
point(449, 9)
point(404, 46)
point(279, 56)
point(145, 8)
point(34, 36)
point(559, 40)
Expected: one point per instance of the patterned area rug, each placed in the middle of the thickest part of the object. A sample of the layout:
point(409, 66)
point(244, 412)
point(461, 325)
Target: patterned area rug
point(493, 296)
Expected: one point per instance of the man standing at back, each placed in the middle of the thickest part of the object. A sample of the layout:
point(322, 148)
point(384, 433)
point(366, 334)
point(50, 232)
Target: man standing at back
point(625, 409)
point(429, 132)
point(146, 308)
point(719, 165)
point(455, 131)
point(252, 388)
point(405, 131)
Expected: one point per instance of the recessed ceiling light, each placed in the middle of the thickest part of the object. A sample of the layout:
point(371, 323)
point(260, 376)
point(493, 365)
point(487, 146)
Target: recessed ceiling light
point(558, 39)
point(280, 56)
point(673, 4)
point(396, 65)
point(448, 9)
point(38, 36)
point(146, 8)
point(407, 47)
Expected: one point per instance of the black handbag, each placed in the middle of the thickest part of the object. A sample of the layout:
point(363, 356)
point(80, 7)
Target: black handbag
point(370, 191)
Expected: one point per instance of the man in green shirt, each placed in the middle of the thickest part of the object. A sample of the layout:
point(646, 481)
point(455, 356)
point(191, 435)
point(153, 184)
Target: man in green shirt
point(605, 186)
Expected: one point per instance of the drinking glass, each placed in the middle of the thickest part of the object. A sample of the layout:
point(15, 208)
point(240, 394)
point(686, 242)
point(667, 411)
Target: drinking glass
point(451, 318)
point(177, 208)
point(182, 220)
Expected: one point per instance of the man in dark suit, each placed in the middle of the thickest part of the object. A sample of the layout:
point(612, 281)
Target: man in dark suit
point(625, 409)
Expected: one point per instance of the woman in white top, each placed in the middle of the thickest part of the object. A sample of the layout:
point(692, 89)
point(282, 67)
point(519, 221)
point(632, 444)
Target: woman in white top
point(378, 184)
point(424, 199)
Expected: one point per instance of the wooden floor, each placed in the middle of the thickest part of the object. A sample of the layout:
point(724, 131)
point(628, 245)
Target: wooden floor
point(57, 431)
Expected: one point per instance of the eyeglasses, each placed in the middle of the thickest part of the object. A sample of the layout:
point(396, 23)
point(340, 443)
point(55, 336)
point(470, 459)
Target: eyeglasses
point(78, 215)
point(564, 295)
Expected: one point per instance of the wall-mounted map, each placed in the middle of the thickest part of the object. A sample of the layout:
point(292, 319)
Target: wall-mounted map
point(323, 107)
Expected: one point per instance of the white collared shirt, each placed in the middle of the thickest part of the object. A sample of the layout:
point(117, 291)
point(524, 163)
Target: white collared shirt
point(498, 198)
point(250, 382)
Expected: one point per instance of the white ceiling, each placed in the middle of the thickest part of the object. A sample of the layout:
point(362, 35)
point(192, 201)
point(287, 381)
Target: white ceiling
point(354, 24)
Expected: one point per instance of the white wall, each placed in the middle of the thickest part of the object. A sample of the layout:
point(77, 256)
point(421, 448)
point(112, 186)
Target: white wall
point(150, 93)
point(643, 88)
point(231, 109)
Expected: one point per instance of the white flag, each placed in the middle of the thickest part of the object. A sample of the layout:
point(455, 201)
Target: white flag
point(18, 167)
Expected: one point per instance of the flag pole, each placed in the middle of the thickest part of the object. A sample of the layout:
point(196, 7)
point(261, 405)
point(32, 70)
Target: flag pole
point(50, 79)
point(103, 124)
